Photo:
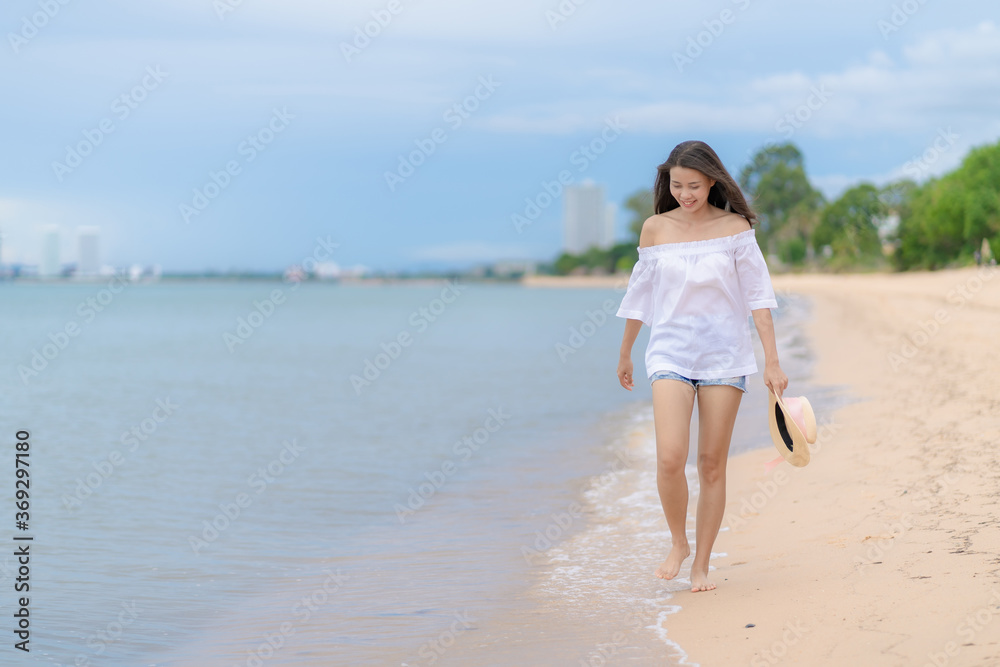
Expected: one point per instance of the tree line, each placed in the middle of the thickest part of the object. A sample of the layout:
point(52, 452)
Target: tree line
point(952, 220)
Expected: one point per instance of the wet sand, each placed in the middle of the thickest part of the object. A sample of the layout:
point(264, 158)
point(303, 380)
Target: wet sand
point(619, 281)
point(885, 549)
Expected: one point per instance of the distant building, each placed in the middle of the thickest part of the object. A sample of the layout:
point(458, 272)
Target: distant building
point(588, 220)
point(88, 254)
point(50, 265)
point(327, 271)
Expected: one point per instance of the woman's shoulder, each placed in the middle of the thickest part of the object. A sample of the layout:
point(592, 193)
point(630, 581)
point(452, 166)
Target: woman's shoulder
point(650, 229)
point(734, 222)
point(656, 228)
point(734, 228)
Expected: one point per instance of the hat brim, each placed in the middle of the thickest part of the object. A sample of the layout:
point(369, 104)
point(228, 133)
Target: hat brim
point(788, 438)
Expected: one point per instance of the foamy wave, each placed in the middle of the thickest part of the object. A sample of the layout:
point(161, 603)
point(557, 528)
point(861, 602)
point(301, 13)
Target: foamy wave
point(609, 563)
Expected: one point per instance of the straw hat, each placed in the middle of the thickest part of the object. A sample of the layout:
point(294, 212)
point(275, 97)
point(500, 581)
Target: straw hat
point(793, 427)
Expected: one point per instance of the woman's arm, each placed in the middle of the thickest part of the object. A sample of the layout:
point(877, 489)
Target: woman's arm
point(625, 357)
point(632, 326)
point(774, 377)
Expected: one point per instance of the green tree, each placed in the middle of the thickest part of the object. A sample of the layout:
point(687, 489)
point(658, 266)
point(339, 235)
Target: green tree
point(596, 258)
point(565, 264)
point(779, 191)
point(848, 226)
point(624, 256)
point(640, 203)
point(949, 217)
point(898, 196)
point(792, 251)
point(794, 238)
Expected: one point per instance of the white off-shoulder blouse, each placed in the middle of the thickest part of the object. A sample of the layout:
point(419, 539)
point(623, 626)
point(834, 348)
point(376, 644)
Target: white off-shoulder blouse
point(696, 297)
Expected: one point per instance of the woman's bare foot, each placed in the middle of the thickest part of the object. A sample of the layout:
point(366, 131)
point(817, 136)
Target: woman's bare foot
point(699, 580)
point(669, 568)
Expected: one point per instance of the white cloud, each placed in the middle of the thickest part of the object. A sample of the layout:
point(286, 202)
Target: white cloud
point(880, 59)
point(957, 47)
point(943, 152)
point(422, 19)
point(684, 115)
point(524, 123)
point(948, 77)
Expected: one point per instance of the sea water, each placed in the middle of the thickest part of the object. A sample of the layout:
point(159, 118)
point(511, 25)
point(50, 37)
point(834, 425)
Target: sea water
point(249, 473)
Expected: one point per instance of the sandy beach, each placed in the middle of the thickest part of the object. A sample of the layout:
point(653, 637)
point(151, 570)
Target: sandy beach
point(885, 549)
point(617, 280)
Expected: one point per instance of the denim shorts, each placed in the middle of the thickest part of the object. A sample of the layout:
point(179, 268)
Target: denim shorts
point(740, 382)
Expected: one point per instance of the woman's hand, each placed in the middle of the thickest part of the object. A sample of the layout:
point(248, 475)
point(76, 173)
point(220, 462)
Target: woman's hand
point(625, 372)
point(625, 353)
point(775, 378)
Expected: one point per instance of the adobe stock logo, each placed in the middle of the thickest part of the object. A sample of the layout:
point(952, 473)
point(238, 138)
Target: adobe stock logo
point(31, 26)
point(800, 115)
point(455, 116)
point(697, 44)
point(920, 165)
point(588, 328)
point(252, 146)
point(900, 16)
point(581, 158)
point(122, 107)
point(363, 36)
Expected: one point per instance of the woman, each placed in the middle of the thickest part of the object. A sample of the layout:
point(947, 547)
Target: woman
point(699, 276)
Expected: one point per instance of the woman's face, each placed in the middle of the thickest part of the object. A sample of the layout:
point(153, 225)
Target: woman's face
point(690, 188)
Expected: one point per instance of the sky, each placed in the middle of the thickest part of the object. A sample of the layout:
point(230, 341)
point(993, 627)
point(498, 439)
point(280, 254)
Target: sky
point(404, 135)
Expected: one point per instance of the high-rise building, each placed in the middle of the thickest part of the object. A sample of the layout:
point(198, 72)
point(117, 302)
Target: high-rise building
point(588, 220)
point(88, 255)
point(50, 266)
point(609, 224)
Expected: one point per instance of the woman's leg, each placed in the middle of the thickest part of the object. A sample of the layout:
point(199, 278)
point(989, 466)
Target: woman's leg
point(717, 407)
point(673, 403)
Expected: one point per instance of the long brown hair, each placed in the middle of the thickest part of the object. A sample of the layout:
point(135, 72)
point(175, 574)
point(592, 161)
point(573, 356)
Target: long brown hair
point(699, 156)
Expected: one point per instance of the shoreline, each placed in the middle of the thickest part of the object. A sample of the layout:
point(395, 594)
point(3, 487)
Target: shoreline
point(615, 280)
point(835, 563)
point(620, 280)
point(593, 595)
